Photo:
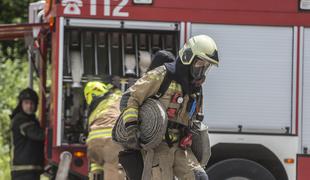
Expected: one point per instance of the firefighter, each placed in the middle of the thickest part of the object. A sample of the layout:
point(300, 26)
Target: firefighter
point(182, 101)
point(103, 101)
point(27, 138)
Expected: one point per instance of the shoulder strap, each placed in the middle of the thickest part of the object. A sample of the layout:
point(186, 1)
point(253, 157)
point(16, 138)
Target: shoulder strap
point(163, 87)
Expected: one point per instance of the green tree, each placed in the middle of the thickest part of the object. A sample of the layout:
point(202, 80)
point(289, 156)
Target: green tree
point(13, 78)
point(13, 75)
point(13, 11)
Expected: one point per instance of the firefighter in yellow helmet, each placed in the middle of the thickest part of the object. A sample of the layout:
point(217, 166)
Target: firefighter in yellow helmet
point(182, 99)
point(103, 110)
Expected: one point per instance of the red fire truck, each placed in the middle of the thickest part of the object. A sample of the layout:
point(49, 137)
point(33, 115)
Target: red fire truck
point(257, 101)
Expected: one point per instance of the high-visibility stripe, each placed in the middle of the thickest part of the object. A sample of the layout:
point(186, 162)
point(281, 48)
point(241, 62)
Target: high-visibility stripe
point(95, 167)
point(99, 134)
point(103, 131)
point(25, 167)
point(23, 126)
point(133, 110)
point(130, 115)
point(130, 112)
point(127, 117)
point(100, 130)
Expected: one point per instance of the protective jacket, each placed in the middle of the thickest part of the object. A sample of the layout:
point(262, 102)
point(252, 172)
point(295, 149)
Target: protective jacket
point(28, 143)
point(180, 107)
point(102, 118)
point(102, 152)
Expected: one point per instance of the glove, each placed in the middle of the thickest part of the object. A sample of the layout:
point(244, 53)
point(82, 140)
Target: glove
point(186, 141)
point(133, 137)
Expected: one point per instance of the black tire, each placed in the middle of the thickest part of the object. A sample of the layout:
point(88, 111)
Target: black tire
point(238, 169)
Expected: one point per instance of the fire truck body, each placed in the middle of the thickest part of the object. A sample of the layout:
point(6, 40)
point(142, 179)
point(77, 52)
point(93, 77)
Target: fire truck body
point(255, 102)
point(109, 49)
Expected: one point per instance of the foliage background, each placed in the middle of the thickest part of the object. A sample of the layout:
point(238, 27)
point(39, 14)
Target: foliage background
point(13, 75)
point(13, 78)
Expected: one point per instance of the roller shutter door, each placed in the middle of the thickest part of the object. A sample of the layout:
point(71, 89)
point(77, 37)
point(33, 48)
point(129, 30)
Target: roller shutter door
point(253, 85)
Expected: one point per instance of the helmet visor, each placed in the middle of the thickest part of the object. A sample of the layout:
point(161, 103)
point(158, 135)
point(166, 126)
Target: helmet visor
point(200, 68)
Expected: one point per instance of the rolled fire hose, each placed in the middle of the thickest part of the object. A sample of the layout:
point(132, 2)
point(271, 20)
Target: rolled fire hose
point(76, 68)
point(153, 124)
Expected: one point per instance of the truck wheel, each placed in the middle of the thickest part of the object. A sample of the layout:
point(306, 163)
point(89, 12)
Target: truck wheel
point(238, 169)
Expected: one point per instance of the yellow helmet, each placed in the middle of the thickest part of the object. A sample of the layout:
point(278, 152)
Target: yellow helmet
point(201, 46)
point(95, 88)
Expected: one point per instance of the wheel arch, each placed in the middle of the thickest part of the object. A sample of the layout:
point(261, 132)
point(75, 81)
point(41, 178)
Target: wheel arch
point(254, 152)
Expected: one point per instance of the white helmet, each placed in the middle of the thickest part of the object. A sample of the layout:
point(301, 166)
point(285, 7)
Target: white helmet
point(201, 53)
point(201, 46)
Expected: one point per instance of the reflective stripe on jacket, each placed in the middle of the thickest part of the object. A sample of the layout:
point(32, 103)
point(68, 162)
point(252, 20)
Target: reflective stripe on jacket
point(99, 133)
point(95, 167)
point(25, 167)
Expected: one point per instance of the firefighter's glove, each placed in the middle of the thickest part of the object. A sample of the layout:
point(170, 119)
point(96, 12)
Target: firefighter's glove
point(186, 141)
point(133, 137)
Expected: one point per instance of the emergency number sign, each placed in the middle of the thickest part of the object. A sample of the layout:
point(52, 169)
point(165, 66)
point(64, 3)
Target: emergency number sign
point(93, 7)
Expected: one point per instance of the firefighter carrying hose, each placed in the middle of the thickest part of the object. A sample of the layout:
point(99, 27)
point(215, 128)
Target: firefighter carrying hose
point(27, 138)
point(103, 101)
point(182, 101)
